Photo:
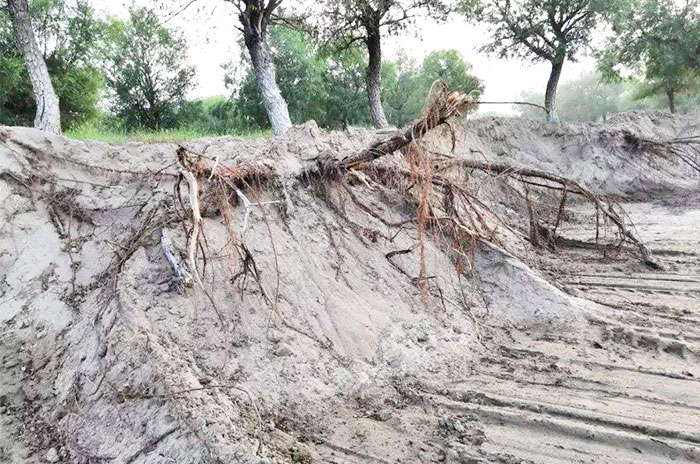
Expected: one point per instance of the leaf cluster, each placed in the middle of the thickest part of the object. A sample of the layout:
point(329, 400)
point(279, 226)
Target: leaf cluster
point(541, 30)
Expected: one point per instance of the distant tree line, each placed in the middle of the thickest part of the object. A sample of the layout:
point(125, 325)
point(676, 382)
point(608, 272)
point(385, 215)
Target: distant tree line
point(61, 65)
point(589, 97)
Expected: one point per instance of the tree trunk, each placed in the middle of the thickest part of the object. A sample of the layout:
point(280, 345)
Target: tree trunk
point(48, 115)
point(551, 95)
point(374, 48)
point(671, 100)
point(275, 106)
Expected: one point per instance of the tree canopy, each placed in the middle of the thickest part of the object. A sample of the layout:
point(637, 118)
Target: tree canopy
point(538, 30)
point(658, 41)
point(147, 71)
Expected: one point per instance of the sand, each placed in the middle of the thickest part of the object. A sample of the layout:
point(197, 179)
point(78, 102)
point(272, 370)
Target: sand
point(577, 355)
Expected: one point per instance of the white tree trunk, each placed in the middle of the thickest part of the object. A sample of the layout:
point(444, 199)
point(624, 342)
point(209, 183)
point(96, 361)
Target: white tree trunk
point(671, 95)
point(550, 95)
point(276, 107)
point(48, 115)
point(374, 69)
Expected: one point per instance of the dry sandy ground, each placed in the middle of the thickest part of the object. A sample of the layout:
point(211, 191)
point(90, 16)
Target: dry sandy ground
point(577, 355)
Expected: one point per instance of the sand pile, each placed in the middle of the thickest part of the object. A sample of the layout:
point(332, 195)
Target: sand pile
point(324, 334)
point(602, 155)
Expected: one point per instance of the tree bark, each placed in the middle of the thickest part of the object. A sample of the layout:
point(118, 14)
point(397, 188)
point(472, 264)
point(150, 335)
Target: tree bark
point(374, 49)
point(671, 100)
point(254, 21)
point(550, 95)
point(48, 115)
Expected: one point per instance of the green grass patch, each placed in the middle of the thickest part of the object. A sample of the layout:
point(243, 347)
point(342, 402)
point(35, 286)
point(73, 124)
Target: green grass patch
point(101, 134)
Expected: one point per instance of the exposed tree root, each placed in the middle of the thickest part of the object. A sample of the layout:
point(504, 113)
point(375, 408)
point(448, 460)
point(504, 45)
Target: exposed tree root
point(445, 207)
point(686, 149)
point(604, 204)
point(442, 106)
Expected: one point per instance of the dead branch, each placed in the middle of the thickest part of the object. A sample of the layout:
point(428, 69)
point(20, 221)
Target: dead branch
point(183, 276)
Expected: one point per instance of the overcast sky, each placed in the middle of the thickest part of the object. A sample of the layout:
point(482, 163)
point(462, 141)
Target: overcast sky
point(213, 40)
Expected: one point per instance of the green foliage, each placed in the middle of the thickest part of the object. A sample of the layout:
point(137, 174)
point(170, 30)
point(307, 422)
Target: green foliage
point(221, 116)
point(328, 84)
point(449, 66)
point(346, 97)
point(657, 41)
point(147, 72)
point(405, 85)
point(538, 30)
point(69, 34)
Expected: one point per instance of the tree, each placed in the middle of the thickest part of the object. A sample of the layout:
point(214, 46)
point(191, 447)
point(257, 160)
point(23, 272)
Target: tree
point(326, 87)
point(48, 116)
point(147, 72)
point(68, 34)
point(540, 30)
point(299, 74)
point(255, 17)
point(658, 40)
point(350, 21)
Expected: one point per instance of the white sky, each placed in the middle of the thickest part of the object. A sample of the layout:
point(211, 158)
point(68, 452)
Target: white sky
point(213, 41)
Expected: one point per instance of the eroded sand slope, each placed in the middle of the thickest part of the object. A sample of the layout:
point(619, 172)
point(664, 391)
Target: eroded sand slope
point(575, 356)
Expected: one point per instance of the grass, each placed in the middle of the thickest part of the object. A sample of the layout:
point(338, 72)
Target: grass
point(91, 132)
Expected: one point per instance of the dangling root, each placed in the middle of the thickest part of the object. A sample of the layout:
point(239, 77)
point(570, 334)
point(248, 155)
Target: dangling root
point(193, 237)
point(603, 204)
point(686, 149)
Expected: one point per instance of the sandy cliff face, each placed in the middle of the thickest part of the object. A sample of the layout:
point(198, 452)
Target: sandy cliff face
point(326, 349)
